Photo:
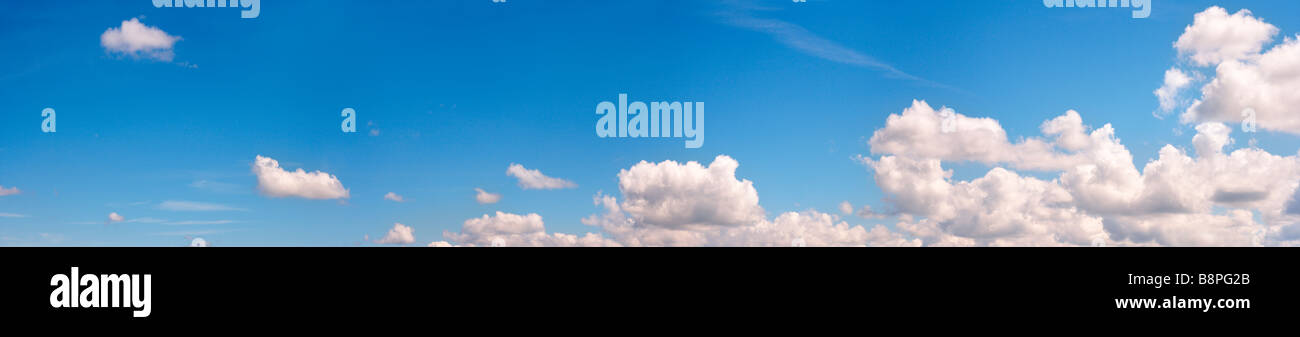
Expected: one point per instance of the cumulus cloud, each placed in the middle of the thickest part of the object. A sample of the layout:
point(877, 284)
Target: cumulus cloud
point(1248, 84)
point(535, 180)
point(137, 40)
point(674, 204)
point(675, 195)
point(394, 197)
point(440, 244)
point(1176, 199)
point(920, 132)
point(1175, 81)
point(114, 217)
point(810, 228)
point(1215, 36)
point(846, 208)
point(277, 182)
point(485, 198)
point(399, 234)
point(8, 191)
point(518, 231)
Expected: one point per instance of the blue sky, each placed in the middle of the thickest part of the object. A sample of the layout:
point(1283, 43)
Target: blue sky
point(459, 90)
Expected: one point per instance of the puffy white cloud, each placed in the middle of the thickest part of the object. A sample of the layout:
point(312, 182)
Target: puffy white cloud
point(1211, 199)
point(518, 231)
point(534, 179)
point(114, 217)
point(674, 204)
point(485, 198)
point(1175, 81)
point(135, 39)
point(394, 197)
point(999, 207)
point(919, 132)
point(1215, 36)
point(8, 191)
point(440, 244)
point(1249, 86)
point(277, 182)
point(399, 234)
point(809, 228)
point(673, 195)
point(846, 208)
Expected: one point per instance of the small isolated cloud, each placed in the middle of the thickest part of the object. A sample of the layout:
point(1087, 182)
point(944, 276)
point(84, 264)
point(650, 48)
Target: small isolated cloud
point(194, 206)
point(8, 191)
point(1175, 81)
point(484, 198)
point(114, 217)
point(394, 197)
point(134, 39)
point(441, 244)
point(12, 215)
point(846, 208)
point(274, 181)
point(535, 180)
point(400, 234)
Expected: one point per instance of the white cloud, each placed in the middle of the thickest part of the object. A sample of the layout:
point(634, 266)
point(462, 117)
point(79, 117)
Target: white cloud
point(801, 39)
point(394, 197)
point(846, 208)
point(276, 182)
point(919, 132)
point(534, 179)
point(8, 191)
point(1215, 36)
point(1173, 200)
point(673, 204)
point(114, 217)
point(1246, 78)
point(519, 231)
point(12, 215)
point(194, 206)
point(1175, 81)
point(485, 198)
point(812, 228)
point(135, 39)
point(440, 244)
point(673, 195)
point(400, 234)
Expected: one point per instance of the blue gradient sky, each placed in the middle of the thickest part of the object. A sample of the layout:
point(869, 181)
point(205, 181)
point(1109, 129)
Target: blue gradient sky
point(461, 89)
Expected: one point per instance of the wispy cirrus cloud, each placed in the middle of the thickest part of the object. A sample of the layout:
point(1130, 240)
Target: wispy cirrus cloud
point(536, 180)
point(801, 39)
point(194, 206)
